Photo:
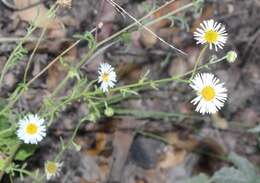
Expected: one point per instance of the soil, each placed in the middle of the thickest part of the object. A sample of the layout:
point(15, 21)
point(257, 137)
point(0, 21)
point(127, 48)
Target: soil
point(112, 150)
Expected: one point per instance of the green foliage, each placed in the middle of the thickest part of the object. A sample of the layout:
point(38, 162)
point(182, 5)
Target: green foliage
point(201, 178)
point(88, 36)
point(4, 123)
point(198, 5)
point(242, 172)
point(182, 20)
point(255, 129)
point(81, 89)
point(25, 151)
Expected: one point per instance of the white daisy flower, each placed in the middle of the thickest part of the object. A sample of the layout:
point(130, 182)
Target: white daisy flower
point(31, 129)
point(52, 169)
point(107, 76)
point(212, 33)
point(211, 93)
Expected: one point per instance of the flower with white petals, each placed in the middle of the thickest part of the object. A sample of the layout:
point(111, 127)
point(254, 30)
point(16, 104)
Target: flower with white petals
point(52, 169)
point(212, 33)
point(211, 93)
point(107, 76)
point(31, 129)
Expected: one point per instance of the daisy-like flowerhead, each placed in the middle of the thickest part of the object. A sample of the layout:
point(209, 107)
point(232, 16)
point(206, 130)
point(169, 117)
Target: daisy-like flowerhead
point(31, 129)
point(211, 93)
point(107, 77)
point(212, 33)
point(52, 169)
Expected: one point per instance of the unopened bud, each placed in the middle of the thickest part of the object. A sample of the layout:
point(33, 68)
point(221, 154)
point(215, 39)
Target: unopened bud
point(231, 56)
point(109, 111)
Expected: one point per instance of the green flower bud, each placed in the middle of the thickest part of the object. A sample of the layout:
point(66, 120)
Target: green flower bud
point(92, 117)
point(109, 111)
point(231, 56)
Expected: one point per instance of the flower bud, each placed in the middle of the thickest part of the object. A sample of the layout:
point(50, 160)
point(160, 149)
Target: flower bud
point(109, 111)
point(92, 117)
point(231, 56)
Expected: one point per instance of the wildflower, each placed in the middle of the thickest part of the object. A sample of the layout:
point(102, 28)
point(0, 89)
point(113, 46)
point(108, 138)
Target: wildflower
point(212, 33)
point(231, 56)
point(31, 129)
point(64, 3)
point(52, 169)
point(107, 76)
point(211, 93)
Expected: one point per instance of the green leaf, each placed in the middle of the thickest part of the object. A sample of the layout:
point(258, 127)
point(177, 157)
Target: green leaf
point(4, 122)
point(255, 129)
point(243, 165)
point(230, 175)
point(201, 178)
point(2, 163)
point(25, 151)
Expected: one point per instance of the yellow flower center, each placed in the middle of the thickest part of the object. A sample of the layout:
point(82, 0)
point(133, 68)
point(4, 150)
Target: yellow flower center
point(208, 93)
point(32, 128)
point(211, 36)
point(105, 77)
point(51, 167)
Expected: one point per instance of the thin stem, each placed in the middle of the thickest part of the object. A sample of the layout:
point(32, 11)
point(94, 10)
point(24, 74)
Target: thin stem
point(145, 27)
point(153, 136)
point(52, 62)
point(34, 51)
point(198, 61)
point(13, 54)
point(99, 45)
point(143, 18)
point(153, 114)
point(60, 86)
point(6, 132)
point(189, 5)
point(9, 159)
point(70, 141)
point(154, 82)
point(12, 102)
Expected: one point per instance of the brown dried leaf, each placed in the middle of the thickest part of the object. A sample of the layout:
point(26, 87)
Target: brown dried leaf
point(36, 14)
point(100, 144)
point(188, 144)
point(58, 71)
point(172, 158)
point(219, 122)
point(208, 12)
point(149, 39)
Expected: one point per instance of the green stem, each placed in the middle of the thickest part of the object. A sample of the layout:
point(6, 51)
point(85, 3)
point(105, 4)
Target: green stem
point(10, 59)
point(9, 159)
point(198, 61)
point(153, 136)
point(153, 114)
point(12, 102)
point(189, 5)
point(70, 141)
point(7, 132)
point(99, 45)
point(154, 82)
point(33, 53)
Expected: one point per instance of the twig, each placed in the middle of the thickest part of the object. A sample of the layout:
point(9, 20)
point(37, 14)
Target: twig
point(145, 27)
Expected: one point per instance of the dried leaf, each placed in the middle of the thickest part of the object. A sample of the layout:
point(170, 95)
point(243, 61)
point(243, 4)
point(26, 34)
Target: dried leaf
point(172, 158)
point(38, 15)
point(100, 144)
point(149, 39)
point(219, 122)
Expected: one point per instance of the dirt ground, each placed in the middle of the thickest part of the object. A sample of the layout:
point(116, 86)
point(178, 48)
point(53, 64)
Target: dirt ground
point(118, 149)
